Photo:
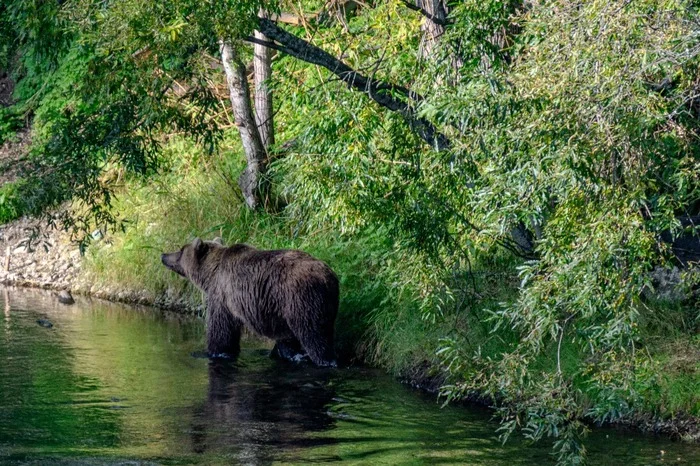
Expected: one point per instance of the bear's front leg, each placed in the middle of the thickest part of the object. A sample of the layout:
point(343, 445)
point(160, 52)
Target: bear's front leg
point(223, 333)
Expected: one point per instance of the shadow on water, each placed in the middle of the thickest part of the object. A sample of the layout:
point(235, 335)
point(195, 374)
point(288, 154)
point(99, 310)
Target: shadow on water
point(109, 384)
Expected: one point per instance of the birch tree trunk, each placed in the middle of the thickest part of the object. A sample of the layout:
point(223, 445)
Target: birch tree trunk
point(262, 64)
point(431, 30)
point(251, 181)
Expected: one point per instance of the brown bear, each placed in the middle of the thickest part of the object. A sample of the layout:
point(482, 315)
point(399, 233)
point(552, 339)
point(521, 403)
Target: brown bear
point(285, 295)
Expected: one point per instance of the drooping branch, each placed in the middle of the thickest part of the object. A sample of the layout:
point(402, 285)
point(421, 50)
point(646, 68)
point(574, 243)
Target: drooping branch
point(385, 94)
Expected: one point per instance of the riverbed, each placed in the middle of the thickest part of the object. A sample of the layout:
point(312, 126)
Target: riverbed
point(106, 384)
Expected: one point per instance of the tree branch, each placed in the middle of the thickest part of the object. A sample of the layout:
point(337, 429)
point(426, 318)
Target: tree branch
point(382, 93)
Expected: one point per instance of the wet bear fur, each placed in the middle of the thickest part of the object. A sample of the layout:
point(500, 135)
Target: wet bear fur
point(286, 295)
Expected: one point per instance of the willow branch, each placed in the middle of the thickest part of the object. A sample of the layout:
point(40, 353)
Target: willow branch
point(385, 94)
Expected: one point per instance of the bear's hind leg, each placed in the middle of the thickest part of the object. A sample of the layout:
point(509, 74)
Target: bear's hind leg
point(223, 333)
point(317, 340)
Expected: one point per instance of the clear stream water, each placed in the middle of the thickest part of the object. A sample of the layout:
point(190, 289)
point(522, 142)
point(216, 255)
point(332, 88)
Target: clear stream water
point(113, 384)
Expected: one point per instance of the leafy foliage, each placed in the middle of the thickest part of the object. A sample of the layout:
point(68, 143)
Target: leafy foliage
point(573, 124)
point(121, 75)
point(578, 121)
point(10, 205)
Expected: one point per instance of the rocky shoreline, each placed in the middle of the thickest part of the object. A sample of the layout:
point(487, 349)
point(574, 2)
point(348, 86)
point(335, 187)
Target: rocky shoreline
point(36, 257)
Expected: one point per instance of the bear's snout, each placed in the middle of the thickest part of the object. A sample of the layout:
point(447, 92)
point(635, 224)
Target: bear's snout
point(172, 262)
point(164, 260)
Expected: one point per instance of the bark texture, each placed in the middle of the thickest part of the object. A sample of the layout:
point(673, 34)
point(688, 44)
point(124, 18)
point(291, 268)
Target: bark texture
point(262, 64)
point(251, 181)
point(433, 26)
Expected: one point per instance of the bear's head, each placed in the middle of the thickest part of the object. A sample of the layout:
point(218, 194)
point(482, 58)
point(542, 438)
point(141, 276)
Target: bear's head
point(190, 259)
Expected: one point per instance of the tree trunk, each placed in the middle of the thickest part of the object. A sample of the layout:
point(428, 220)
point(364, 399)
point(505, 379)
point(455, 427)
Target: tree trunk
point(251, 181)
point(262, 63)
point(433, 25)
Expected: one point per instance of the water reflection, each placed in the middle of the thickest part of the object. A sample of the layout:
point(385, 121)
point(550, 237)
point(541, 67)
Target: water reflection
point(114, 385)
point(34, 381)
point(261, 410)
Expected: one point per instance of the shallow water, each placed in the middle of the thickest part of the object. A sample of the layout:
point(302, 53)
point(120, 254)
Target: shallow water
point(112, 384)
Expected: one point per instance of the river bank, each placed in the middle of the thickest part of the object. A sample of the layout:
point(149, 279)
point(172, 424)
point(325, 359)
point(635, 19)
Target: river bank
point(35, 256)
point(32, 256)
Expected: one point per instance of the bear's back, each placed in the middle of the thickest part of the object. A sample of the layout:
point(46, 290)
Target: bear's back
point(268, 287)
point(254, 274)
point(288, 267)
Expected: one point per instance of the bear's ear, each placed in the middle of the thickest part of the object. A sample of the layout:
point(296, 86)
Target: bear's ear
point(198, 248)
point(218, 241)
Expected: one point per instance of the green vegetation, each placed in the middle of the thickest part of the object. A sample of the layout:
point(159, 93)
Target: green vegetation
point(491, 180)
point(381, 320)
point(10, 204)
